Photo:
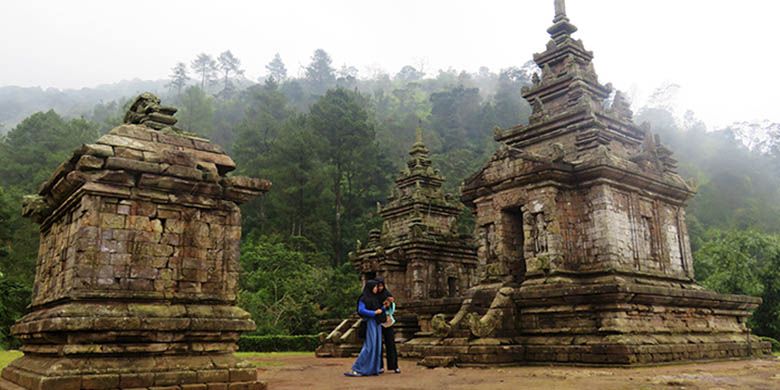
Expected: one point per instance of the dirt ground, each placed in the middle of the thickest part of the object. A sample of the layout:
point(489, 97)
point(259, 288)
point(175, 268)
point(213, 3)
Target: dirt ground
point(308, 372)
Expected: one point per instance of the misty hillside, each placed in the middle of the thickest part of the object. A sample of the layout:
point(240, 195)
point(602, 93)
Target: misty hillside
point(333, 139)
point(17, 103)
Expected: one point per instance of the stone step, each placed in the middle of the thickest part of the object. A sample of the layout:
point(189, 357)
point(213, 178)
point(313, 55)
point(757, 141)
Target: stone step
point(438, 361)
point(6, 385)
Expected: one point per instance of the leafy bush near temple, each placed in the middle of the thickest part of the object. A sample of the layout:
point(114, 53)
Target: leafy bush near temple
point(15, 298)
point(744, 262)
point(287, 289)
point(774, 342)
point(277, 343)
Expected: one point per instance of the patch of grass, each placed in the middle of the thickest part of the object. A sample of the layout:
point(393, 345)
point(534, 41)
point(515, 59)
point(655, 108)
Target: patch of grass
point(269, 359)
point(8, 356)
point(271, 355)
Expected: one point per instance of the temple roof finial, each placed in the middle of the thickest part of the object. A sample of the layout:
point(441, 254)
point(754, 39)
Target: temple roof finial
point(419, 149)
point(562, 28)
point(560, 9)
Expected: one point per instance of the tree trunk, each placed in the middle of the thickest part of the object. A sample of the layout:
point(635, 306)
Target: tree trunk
point(337, 233)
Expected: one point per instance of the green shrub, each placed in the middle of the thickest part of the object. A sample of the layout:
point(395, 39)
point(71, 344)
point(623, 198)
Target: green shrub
point(277, 343)
point(775, 343)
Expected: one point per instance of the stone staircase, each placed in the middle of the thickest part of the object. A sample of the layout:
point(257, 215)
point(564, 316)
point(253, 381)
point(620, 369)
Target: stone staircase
point(343, 341)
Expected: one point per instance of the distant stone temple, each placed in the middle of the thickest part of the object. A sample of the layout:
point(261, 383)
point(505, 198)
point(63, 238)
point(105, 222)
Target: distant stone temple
point(426, 264)
point(137, 272)
point(583, 245)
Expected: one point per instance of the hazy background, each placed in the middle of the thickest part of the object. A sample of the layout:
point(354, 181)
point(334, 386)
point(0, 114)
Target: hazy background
point(639, 44)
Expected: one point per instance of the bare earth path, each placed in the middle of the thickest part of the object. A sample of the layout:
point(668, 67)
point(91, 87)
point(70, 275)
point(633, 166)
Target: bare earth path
point(308, 372)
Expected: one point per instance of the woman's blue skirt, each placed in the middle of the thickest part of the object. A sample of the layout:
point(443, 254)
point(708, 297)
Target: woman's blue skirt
point(369, 361)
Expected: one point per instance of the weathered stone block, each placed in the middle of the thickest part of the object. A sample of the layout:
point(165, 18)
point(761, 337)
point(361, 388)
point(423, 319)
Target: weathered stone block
point(132, 165)
point(131, 154)
point(99, 382)
point(89, 162)
point(110, 274)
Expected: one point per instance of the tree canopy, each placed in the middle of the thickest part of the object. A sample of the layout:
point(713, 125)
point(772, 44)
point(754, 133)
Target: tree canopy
point(332, 142)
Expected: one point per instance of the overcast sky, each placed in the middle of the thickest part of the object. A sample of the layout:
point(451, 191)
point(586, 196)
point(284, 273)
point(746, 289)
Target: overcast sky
point(723, 53)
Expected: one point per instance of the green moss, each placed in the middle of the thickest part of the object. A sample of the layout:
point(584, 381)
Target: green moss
point(8, 356)
point(269, 359)
point(271, 355)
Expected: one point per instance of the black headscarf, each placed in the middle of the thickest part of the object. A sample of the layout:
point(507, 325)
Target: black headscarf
point(385, 292)
point(371, 300)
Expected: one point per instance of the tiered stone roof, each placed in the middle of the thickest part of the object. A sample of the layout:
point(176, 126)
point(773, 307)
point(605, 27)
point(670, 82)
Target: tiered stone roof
point(578, 123)
point(418, 197)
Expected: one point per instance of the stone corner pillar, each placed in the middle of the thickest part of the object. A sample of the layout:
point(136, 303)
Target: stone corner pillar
point(137, 270)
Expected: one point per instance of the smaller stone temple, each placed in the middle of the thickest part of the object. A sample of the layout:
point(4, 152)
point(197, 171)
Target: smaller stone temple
point(426, 263)
point(137, 271)
point(583, 243)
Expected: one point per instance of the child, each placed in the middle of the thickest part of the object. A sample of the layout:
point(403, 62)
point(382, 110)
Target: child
point(389, 310)
point(388, 334)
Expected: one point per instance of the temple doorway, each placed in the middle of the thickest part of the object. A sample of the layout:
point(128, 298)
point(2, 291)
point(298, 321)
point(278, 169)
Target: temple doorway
point(513, 241)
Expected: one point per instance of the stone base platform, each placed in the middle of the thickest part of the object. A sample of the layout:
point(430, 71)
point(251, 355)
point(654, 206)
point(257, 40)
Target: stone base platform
point(129, 345)
point(204, 372)
point(438, 352)
point(480, 352)
point(603, 320)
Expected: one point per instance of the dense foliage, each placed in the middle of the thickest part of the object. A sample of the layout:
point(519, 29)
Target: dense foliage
point(745, 262)
point(277, 343)
point(332, 143)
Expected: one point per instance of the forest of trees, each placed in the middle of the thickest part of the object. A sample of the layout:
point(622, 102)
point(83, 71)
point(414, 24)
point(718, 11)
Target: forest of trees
point(332, 142)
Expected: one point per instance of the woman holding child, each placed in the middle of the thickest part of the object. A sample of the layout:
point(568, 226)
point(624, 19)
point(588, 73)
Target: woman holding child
point(370, 308)
point(376, 307)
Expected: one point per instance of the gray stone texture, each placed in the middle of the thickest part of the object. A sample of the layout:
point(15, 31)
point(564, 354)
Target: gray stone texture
point(584, 254)
point(137, 270)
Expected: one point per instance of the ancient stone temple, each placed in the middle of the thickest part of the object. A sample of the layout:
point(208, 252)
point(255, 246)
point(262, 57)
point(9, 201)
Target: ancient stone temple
point(426, 263)
point(582, 236)
point(137, 271)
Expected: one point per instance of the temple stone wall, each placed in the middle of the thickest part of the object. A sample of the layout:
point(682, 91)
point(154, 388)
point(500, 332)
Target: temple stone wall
point(640, 233)
point(583, 249)
point(137, 271)
point(126, 248)
point(438, 223)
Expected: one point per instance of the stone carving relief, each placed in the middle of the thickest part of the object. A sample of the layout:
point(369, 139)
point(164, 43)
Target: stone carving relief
point(418, 280)
point(539, 233)
point(486, 325)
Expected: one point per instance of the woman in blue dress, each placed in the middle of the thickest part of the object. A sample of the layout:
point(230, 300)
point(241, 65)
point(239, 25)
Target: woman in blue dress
point(369, 308)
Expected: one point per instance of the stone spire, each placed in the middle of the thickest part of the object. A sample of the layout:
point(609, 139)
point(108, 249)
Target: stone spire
point(562, 29)
point(568, 98)
point(420, 161)
point(419, 188)
point(560, 9)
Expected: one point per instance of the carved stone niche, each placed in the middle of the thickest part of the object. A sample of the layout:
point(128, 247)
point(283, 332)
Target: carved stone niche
point(418, 285)
point(513, 242)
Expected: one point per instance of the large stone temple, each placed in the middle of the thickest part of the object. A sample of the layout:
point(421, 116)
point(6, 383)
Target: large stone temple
point(426, 263)
point(137, 271)
point(583, 244)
